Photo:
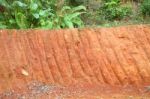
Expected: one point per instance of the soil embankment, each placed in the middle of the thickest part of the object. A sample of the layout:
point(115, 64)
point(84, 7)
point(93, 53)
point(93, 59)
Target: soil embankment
point(76, 63)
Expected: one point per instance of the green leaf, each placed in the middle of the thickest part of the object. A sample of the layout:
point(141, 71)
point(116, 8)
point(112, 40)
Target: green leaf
point(2, 26)
point(78, 8)
point(4, 3)
point(36, 15)
point(42, 12)
point(33, 6)
point(42, 22)
point(21, 20)
point(12, 21)
point(49, 25)
point(78, 22)
point(68, 22)
point(19, 3)
point(74, 15)
point(65, 8)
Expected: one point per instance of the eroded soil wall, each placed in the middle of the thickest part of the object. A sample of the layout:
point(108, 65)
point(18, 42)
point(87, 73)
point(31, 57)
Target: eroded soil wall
point(104, 56)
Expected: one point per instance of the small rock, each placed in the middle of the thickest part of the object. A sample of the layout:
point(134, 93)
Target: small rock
point(24, 72)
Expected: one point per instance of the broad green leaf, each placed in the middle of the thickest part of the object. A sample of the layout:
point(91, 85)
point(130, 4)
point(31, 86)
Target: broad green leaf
point(78, 22)
point(65, 8)
point(68, 22)
point(19, 3)
point(33, 6)
point(49, 25)
point(21, 20)
point(78, 8)
point(42, 22)
point(42, 12)
point(74, 15)
point(36, 15)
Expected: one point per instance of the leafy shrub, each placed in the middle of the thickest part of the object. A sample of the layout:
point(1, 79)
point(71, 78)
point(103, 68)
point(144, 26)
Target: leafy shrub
point(145, 7)
point(39, 14)
point(113, 10)
point(67, 17)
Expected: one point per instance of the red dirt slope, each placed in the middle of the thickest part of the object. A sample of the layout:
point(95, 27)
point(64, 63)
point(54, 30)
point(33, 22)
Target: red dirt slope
point(103, 63)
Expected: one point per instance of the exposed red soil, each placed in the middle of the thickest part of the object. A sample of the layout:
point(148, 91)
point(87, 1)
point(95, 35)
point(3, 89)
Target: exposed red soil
point(101, 63)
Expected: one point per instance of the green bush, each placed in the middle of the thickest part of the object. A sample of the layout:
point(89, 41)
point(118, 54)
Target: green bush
point(67, 17)
point(23, 14)
point(113, 10)
point(145, 7)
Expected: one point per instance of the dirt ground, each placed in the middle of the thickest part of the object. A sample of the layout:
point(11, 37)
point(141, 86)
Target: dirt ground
point(38, 90)
point(100, 63)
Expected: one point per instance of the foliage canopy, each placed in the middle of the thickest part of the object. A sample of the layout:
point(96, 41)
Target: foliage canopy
point(24, 14)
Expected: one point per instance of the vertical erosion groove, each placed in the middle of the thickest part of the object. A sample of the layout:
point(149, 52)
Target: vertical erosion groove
point(75, 40)
point(38, 47)
point(48, 56)
point(94, 62)
point(60, 58)
point(142, 39)
point(84, 58)
point(6, 73)
point(107, 61)
point(24, 47)
point(51, 58)
point(96, 50)
point(42, 55)
point(28, 53)
point(20, 58)
point(56, 55)
point(125, 43)
point(128, 50)
point(65, 55)
point(147, 33)
point(116, 61)
point(68, 55)
point(12, 51)
point(34, 56)
point(139, 53)
point(111, 57)
point(78, 74)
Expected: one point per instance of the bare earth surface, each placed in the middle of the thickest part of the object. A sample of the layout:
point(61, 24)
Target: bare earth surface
point(101, 63)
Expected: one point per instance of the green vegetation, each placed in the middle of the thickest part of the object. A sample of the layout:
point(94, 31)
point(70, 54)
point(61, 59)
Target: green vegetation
point(112, 10)
point(55, 14)
point(145, 7)
point(25, 14)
